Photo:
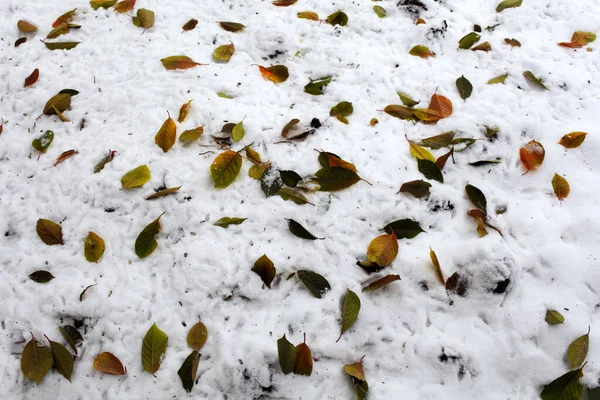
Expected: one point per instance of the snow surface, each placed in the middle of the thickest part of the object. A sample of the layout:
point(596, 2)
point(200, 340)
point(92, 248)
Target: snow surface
point(419, 344)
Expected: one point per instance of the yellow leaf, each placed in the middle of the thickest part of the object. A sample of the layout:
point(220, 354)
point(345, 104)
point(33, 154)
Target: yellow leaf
point(561, 187)
point(383, 249)
point(166, 135)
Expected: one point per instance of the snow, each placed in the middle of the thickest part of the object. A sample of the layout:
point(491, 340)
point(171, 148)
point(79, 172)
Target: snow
point(419, 344)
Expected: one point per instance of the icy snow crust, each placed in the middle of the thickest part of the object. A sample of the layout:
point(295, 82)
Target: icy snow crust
point(419, 344)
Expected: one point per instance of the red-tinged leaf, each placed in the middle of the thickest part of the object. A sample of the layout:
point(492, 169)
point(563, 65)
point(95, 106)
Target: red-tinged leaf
point(421, 51)
point(191, 24)
point(276, 73)
point(183, 111)
point(64, 156)
point(442, 105)
point(124, 6)
point(179, 62)
point(532, 155)
point(579, 39)
point(379, 283)
point(31, 79)
point(20, 41)
point(485, 46)
point(441, 161)
point(66, 17)
point(109, 364)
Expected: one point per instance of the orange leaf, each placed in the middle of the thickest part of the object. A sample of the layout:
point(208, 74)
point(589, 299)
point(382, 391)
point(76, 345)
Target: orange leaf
point(179, 62)
point(485, 46)
point(572, 140)
point(441, 104)
point(108, 363)
point(124, 6)
point(276, 73)
point(64, 156)
point(532, 155)
point(183, 111)
point(66, 17)
point(427, 115)
point(579, 39)
point(512, 42)
point(338, 162)
point(31, 79)
point(383, 249)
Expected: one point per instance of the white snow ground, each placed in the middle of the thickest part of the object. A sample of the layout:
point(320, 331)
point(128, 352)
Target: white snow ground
point(498, 345)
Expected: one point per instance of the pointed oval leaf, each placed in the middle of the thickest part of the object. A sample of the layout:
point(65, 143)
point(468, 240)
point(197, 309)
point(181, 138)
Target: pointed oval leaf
point(238, 131)
point(380, 11)
point(468, 40)
point(310, 15)
point(145, 244)
point(287, 355)
point(498, 79)
point(304, 361)
point(71, 335)
point(418, 188)
point(535, 80)
point(565, 387)
point(464, 87)
point(438, 141)
point(163, 193)
point(36, 360)
point(290, 178)
point(226, 221)
point(265, 268)
point(231, 26)
point(355, 370)
point(197, 336)
point(188, 370)
point(60, 102)
point(50, 232)
point(383, 249)
point(532, 155)
point(270, 182)
point(41, 276)
point(178, 62)
point(154, 347)
point(350, 310)
point(293, 195)
point(407, 100)
point(508, 4)
point(26, 27)
point(109, 364)
point(299, 231)
point(166, 135)
point(336, 178)
point(276, 73)
point(191, 24)
point(572, 140)
point(420, 153)
point(379, 283)
point(225, 168)
point(398, 111)
point(136, 177)
point(404, 228)
point(578, 349)
point(337, 18)
point(485, 46)
point(430, 170)
point(66, 17)
point(191, 134)
point(183, 111)
point(63, 360)
point(561, 187)
point(477, 197)
point(93, 247)
point(222, 54)
point(314, 282)
point(31, 79)
point(421, 51)
point(436, 264)
point(58, 31)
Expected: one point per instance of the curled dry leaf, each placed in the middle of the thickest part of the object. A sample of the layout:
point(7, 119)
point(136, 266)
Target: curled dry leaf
point(50, 232)
point(421, 51)
point(144, 18)
point(124, 6)
point(26, 27)
point(154, 347)
point(231, 26)
point(31, 79)
point(136, 177)
point(436, 264)
point(265, 268)
point(20, 41)
point(145, 244)
point(579, 39)
point(183, 111)
point(383, 249)
point(163, 193)
point(532, 155)
point(191, 24)
point(100, 166)
point(561, 187)
point(109, 364)
point(379, 283)
point(276, 73)
point(572, 140)
point(85, 291)
point(96, 4)
point(64, 156)
point(178, 62)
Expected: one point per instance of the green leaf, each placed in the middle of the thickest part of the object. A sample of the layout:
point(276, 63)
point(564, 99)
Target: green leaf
point(464, 87)
point(188, 370)
point(265, 268)
point(578, 350)
point(380, 11)
point(136, 177)
point(222, 54)
point(290, 178)
point(93, 247)
point(293, 195)
point(430, 170)
point(96, 4)
point(438, 141)
point(226, 221)
point(50, 232)
point(299, 231)
point(145, 244)
point(536, 81)
point(304, 362)
point(398, 111)
point(231, 26)
point(191, 134)
point(63, 360)
point(60, 102)
point(287, 355)
point(341, 111)
point(316, 87)
point(225, 168)
point(477, 197)
point(561, 187)
point(379, 283)
point(61, 45)
point(337, 18)
point(154, 347)
point(418, 188)
point(407, 100)
point(197, 336)
point(498, 79)
point(336, 178)
point(144, 18)
point(178, 62)
point(42, 143)
point(350, 310)
point(508, 4)
point(468, 41)
point(224, 95)
point(553, 317)
point(36, 360)
point(71, 335)
point(58, 31)
point(314, 282)
point(41, 276)
point(565, 387)
point(404, 228)
point(238, 132)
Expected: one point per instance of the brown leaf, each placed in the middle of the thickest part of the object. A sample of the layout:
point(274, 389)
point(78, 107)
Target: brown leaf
point(20, 41)
point(456, 284)
point(64, 156)
point(572, 140)
point(379, 283)
point(289, 127)
point(124, 6)
point(284, 3)
point(26, 27)
point(166, 135)
point(304, 361)
point(561, 187)
point(31, 79)
point(66, 17)
point(485, 46)
point(512, 42)
point(163, 193)
point(50, 232)
point(441, 105)
point(532, 155)
point(231, 26)
point(191, 24)
point(108, 363)
point(183, 111)
point(265, 268)
point(179, 62)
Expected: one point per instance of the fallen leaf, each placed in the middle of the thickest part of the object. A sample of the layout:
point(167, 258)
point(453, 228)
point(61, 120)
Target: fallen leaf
point(226, 221)
point(64, 156)
point(572, 140)
point(379, 283)
point(436, 264)
point(42, 143)
point(350, 310)
point(341, 111)
point(512, 42)
point(265, 268)
point(380, 11)
point(441, 105)
point(61, 29)
point(476, 197)
point(293, 195)
point(404, 228)
point(578, 350)
point(485, 46)
point(61, 45)
point(196, 337)
point(191, 24)
point(41, 276)
point(536, 81)
point(144, 18)
point(315, 87)
point(420, 21)
point(464, 87)
point(50, 232)
point(124, 6)
point(71, 336)
point(183, 111)
point(276, 73)
point(336, 178)
point(498, 79)
point(284, 3)
point(579, 39)
point(238, 131)
point(418, 188)
point(456, 284)
point(26, 27)
point(383, 249)
point(163, 193)
point(36, 360)
point(532, 155)
point(191, 134)
point(178, 62)
point(314, 282)
point(420, 153)
point(66, 17)
point(146, 243)
point(96, 4)
point(508, 4)
point(407, 100)
point(225, 168)
point(553, 317)
point(188, 370)
point(438, 141)
point(290, 178)
point(304, 361)
point(399, 111)
point(100, 166)
point(468, 41)
point(421, 51)
point(430, 170)
point(561, 187)
point(373, 122)
point(154, 347)
point(109, 364)
point(93, 247)
point(31, 79)
point(565, 387)
point(337, 18)
point(20, 41)
point(310, 15)
point(136, 177)
point(299, 231)
point(231, 26)
point(287, 355)
point(85, 291)
point(222, 54)
point(357, 376)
